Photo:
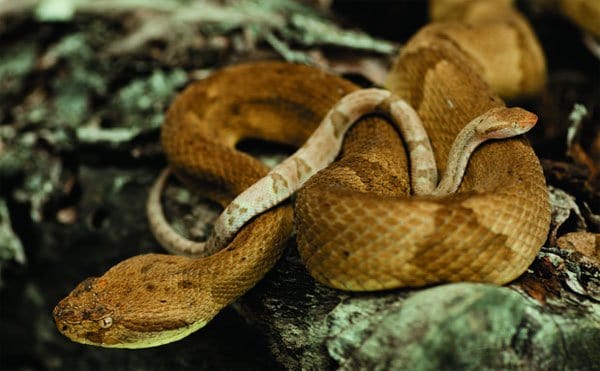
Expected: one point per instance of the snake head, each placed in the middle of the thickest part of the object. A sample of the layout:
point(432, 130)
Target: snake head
point(144, 301)
point(504, 122)
point(84, 312)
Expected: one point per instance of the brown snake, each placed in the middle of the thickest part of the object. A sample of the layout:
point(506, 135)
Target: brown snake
point(321, 148)
point(358, 228)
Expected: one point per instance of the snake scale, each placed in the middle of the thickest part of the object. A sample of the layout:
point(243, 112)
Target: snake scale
point(358, 226)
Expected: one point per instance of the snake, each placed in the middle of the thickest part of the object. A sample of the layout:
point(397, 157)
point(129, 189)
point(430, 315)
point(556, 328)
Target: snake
point(358, 226)
point(318, 151)
point(321, 148)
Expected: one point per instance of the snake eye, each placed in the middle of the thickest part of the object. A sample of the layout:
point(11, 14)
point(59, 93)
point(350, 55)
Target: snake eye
point(105, 322)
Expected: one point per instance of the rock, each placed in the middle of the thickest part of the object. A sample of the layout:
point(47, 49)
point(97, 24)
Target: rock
point(467, 326)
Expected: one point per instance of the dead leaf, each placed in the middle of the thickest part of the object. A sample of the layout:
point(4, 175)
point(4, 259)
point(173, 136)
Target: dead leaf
point(588, 244)
point(563, 206)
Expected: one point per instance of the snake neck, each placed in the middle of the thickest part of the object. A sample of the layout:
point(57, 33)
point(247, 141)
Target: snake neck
point(462, 148)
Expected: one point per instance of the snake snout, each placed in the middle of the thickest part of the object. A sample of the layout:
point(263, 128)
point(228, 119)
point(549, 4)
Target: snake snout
point(522, 120)
point(65, 317)
point(63, 312)
point(82, 304)
point(528, 120)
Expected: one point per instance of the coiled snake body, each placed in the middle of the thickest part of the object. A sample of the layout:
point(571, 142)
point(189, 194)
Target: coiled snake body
point(358, 228)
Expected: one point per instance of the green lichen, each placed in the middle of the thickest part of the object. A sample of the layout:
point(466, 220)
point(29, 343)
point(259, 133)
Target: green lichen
point(281, 23)
point(578, 113)
point(85, 78)
point(55, 10)
point(41, 181)
point(142, 102)
point(314, 31)
point(39, 169)
point(10, 245)
point(61, 114)
point(94, 134)
point(473, 327)
point(305, 26)
point(16, 61)
point(64, 104)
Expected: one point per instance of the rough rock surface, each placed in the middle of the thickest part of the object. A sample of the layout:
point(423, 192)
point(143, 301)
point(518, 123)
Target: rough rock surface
point(463, 326)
